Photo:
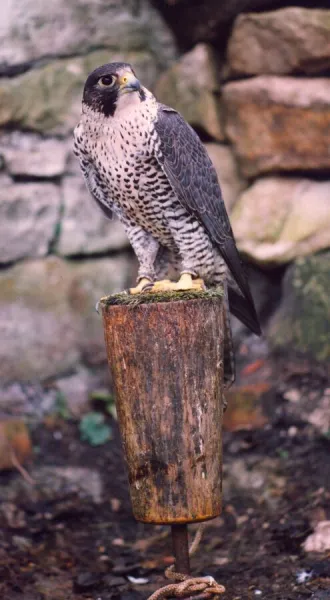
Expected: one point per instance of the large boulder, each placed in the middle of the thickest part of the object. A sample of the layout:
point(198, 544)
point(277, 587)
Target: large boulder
point(29, 213)
point(48, 98)
point(48, 322)
point(38, 332)
point(301, 326)
point(230, 179)
point(279, 123)
point(34, 29)
point(90, 281)
point(84, 228)
point(27, 155)
point(284, 41)
point(192, 87)
point(279, 219)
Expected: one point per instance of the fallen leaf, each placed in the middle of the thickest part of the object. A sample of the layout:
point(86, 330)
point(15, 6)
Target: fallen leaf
point(151, 564)
point(253, 367)
point(220, 561)
point(168, 560)
point(15, 443)
point(144, 544)
point(244, 409)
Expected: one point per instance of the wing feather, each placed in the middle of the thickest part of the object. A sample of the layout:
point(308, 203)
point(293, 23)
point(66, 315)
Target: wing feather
point(95, 190)
point(194, 180)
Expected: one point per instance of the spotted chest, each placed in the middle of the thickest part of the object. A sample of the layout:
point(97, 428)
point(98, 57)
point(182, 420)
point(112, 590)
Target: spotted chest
point(118, 158)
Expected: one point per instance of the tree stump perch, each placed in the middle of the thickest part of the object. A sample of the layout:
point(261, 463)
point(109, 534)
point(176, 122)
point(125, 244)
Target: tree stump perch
point(165, 354)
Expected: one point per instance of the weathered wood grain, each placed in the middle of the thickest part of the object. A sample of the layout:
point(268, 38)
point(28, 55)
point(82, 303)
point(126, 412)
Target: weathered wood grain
point(166, 360)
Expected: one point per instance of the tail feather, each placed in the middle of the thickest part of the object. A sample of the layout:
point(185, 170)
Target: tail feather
point(229, 370)
point(243, 311)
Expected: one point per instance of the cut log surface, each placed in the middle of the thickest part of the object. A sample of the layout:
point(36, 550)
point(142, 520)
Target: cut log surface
point(166, 360)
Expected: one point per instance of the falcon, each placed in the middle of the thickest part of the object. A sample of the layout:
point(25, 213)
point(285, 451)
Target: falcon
point(143, 163)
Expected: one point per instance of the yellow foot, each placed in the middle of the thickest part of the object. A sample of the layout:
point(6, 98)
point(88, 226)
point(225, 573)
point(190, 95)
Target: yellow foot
point(185, 283)
point(143, 283)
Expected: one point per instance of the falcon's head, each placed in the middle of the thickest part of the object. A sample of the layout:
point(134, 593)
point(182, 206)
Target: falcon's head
point(112, 86)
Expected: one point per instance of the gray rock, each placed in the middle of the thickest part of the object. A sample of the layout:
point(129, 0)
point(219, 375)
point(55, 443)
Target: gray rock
point(68, 395)
point(28, 399)
point(231, 181)
point(38, 331)
point(284, 41)
point(192, 87)
point(55, 484)
point(84, 227)
point(29, 155)
point(312, 407)
point(278, 123)
point(75, 391)
point(52, 93)
point(279, 219)
point(29, 213)
point(91, 280)
point(263, 481)
point(301, 325)
point(48, 320)
point(57, 481)
point(33, 29)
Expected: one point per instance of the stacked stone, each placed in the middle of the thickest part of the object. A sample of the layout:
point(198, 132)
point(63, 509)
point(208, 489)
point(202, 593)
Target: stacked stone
point(49, 329)
point(268, 108)
point(278, 120)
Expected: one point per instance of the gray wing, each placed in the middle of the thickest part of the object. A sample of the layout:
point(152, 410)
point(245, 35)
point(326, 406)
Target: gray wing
point(93, 186)
point(194, 180)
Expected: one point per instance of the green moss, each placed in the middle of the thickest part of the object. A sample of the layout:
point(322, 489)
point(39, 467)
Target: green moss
point(302, 324)
point(48, 98)
point(149, 297)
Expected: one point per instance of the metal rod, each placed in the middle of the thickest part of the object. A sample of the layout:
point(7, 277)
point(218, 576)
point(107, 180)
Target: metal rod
point(181, 548)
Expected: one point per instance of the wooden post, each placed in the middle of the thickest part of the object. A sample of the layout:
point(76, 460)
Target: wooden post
point(181, 548)
point(166, 359)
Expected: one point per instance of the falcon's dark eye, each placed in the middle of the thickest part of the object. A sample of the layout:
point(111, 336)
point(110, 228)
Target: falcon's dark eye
point(107, 81)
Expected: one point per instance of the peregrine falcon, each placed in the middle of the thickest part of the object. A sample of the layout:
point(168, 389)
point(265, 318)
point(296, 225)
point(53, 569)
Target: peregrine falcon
point(145, 164)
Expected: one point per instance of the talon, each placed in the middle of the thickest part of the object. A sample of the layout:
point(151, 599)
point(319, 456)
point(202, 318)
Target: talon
point(185, 283)
point(143, 284)
point(97, 305)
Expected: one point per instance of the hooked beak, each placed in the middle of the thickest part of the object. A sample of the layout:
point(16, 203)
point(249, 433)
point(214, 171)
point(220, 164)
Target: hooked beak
point(128, 83)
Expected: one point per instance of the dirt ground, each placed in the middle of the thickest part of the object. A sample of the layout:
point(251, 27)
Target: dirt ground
point(67, 545)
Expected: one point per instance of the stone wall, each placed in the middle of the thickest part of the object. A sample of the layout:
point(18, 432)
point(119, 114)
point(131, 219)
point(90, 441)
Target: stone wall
point(58, 253)
point(263, 110)
point(265, 101)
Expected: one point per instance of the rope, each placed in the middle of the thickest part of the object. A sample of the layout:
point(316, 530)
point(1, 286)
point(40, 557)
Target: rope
point(205, 587)
point(201, 588)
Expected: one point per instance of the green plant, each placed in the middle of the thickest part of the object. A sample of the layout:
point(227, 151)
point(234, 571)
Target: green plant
point(61, 406)
point(108, 400)
point(93, 429)
point(283, 453)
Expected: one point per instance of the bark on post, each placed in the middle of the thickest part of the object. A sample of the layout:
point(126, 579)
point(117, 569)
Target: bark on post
point(166, 359)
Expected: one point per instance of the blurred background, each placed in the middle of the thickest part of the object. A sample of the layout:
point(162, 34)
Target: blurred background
point(252, 78)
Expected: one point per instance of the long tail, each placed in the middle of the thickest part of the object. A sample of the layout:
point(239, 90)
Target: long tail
point(242, 310)
point(229, 368)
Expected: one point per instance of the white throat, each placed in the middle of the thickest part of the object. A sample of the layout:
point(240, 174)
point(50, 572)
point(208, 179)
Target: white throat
point(131, 103)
